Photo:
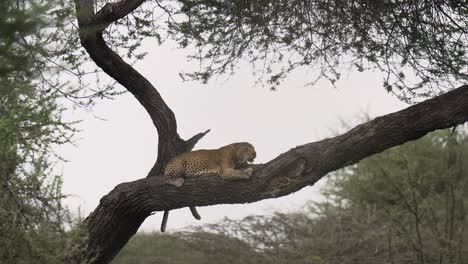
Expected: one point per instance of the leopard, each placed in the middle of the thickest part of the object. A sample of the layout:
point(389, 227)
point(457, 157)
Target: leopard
point(229, 162)
point(224, 162)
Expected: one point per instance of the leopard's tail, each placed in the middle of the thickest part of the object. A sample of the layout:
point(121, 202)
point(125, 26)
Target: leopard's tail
point(193, 210)
point(164, 221)
point(195, 214)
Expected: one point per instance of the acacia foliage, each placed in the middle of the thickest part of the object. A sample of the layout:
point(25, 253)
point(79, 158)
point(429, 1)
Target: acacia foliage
point(421, 46)
point(32, 217)
point(42, 36)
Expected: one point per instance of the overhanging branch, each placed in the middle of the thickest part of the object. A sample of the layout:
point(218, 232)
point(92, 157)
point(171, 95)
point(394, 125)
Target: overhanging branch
point(306, 164)
point(122, 211)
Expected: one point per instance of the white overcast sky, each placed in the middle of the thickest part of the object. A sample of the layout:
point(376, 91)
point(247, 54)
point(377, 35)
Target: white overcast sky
point(124, 146)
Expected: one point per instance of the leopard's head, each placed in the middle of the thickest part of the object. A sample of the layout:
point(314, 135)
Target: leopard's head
point(244, 152)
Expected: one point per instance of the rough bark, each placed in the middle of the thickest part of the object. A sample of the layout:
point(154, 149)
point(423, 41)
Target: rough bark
point(121, 212)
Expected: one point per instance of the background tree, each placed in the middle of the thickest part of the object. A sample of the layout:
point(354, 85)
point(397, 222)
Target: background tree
point(189, 246)
point(32, 217)
point(367, 37)
point(419, 190)
point(309, 236)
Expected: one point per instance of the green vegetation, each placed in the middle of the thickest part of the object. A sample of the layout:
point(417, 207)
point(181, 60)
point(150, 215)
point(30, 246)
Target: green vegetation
point(32, 218)
point(189, 247)
point(419, 191)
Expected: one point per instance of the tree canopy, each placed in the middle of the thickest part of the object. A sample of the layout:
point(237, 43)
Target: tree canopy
point(420, 46)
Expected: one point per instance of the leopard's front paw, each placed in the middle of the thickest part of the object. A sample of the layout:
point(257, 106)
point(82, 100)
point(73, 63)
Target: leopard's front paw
point(248, 171)
point(177, 182)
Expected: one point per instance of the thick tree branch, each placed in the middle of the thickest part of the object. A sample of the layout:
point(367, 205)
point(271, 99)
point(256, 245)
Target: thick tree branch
point(122, 211)
point(92, 40)
point(91, 26)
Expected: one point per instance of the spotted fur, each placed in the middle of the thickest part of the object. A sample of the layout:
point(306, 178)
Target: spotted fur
point(224, 162)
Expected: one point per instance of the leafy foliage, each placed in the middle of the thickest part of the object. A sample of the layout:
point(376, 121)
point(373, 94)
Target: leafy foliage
point(420, 45)
point(187, 247)
point(420, 190)
point(32, 218)
point(31, 213)
point(43, 34)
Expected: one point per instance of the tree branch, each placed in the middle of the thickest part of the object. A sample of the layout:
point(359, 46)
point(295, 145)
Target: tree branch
point(91, 25)
point(92, 40)
point(112, 12)
point(122, 211)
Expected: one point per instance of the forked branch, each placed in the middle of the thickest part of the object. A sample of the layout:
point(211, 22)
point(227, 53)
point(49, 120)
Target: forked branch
point(112, 12)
